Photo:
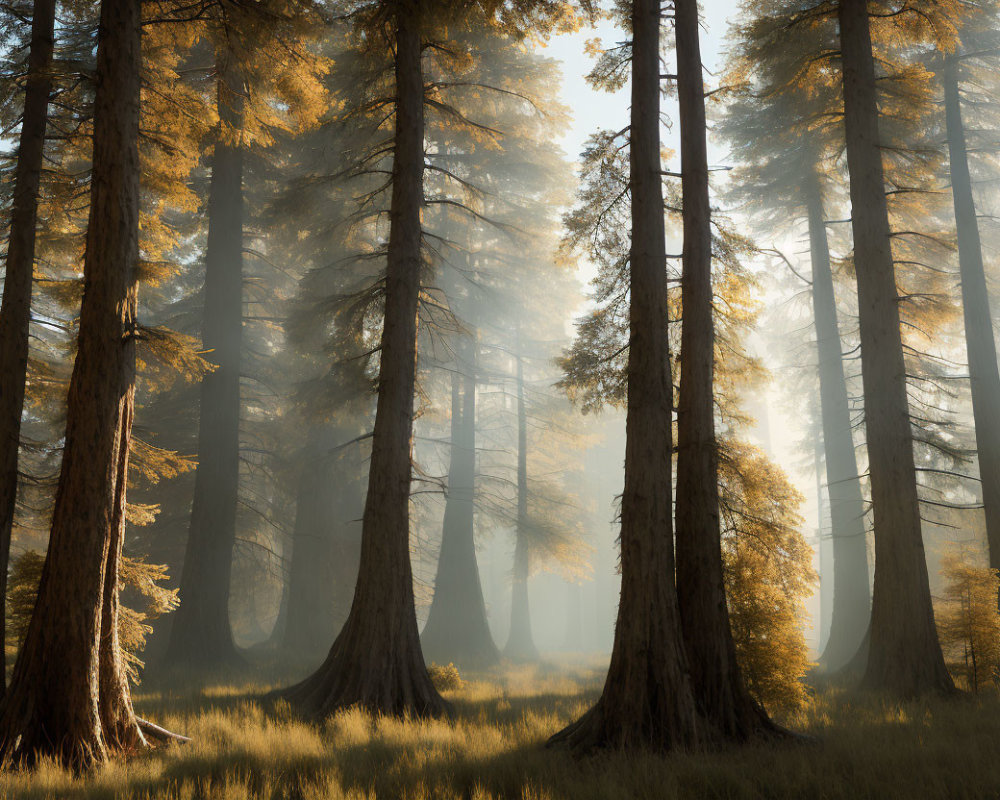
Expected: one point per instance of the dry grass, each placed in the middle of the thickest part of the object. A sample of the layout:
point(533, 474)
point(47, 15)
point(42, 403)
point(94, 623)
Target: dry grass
point(493, 748)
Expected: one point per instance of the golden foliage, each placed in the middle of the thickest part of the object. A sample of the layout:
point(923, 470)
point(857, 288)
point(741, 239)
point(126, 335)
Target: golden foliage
point(968, 620)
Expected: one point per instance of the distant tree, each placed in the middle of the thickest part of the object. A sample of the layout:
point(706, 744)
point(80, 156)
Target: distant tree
point(984, 375)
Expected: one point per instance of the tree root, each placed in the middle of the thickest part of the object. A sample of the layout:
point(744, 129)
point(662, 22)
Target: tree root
point(158, 734)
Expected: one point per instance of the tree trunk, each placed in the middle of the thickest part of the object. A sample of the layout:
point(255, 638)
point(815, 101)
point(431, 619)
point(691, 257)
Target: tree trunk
point(520, 641)
point(719, 689)
point(324, 552)
point(979, 341)
point(851, 593)
point(904, 656)
point(376, 661)
point(15, 312)
point(647, 700)
point(201, 634)
point(68, 698)
point(457, 629)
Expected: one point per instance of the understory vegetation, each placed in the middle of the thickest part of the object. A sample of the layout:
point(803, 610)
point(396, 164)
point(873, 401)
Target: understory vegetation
point(493, 746)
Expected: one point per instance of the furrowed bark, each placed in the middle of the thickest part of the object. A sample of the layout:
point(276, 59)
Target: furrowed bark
point(15, 311)
point(376, 661)
point(719, 689)
point(65, 698)
point(982, 353)
point(904, 657)
point(851, 593)
point(647, 700)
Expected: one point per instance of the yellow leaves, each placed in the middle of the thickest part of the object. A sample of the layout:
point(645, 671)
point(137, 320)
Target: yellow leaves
point(968, 620)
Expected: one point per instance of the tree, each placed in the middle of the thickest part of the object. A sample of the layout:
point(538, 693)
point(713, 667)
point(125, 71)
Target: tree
point(718, 686)
point(969, 621)
point(15, 311)
point(904, 653)
point(457, 629)
point(376, 660)
point(647, 699)
point(785, 139)
point(984, 376)
point(69, 696)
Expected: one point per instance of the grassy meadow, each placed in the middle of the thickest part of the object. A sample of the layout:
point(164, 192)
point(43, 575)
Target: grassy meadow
point(493, 747)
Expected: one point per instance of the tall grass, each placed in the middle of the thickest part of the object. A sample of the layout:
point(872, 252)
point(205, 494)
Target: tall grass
point(493, 748)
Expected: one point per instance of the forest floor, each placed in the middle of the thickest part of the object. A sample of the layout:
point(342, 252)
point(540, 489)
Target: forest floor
point(493, 747)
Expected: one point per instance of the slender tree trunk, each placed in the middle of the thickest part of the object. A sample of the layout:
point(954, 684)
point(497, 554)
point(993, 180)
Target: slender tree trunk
point(982, 353)
point(15, 312)
point(376, 661)
point(851, 593)
point(68, 698)
point(201, 634)
point(719, 689)
point(647, 700)
point(520, 641)
point(904, 656)
point(457, 629)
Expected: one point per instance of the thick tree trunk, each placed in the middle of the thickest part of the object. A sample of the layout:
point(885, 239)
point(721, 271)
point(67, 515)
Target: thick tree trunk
point(851, 592)
point(904, 656)
point(979, 341)
point(457, 629)
point(647, 700)
point(15, 312)
point(68, 698)
point(376, 661)
point(201, 634)
point(719, 689)
point(520, 641)
point(324, 552)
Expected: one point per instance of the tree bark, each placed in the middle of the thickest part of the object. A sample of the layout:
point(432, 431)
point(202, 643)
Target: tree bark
point(15, 312)
point(376, 661)
point(201, 634)
point(719, 689)
point(982, 353)
point(904, 656)
point(520, 640)
point(457, 629)
point(851, 592)
point(647, 700)
point(68, 698)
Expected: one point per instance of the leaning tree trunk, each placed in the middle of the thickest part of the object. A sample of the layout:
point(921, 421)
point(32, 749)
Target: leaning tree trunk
point(520, 641)
point(457, 629)
point(982, 353)
point(376, 661)
point(904, 656)
point(15, 311)
point(68, 698)
point(201, 634)
point(647, 700)
point(719, 688)
point(851, 592)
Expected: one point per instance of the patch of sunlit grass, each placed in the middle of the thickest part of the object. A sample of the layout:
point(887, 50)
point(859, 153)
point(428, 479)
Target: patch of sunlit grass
point(493, 748)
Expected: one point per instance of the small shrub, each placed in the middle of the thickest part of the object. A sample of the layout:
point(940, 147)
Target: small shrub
point(445, 678)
